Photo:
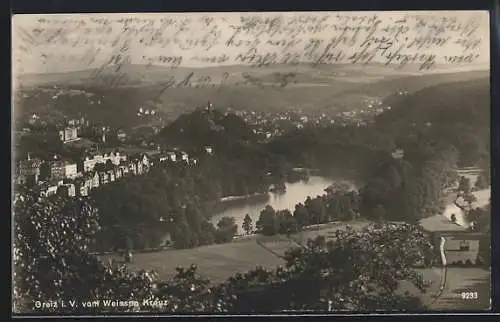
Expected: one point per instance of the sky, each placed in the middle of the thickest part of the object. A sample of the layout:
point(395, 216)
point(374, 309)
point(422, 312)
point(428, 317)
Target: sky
point(88, 43)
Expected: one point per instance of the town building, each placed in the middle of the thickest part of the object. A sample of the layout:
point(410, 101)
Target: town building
point(29, 171)
point(83, 186)
point(103, 178)
point(172, 156)
point(78, 122)
point(111, 175)
point(118, 173)
point(121, 136)
point(90, 161)
point(95, 183)
point(69, 134)
point(145, 160)
point(139, 167)
point(139, 164)
point(398, 154)
point(60, 170)
point(124, 170)
point(132, 167)
point(67, 190)
point(57, 170)
point(50, 188)
point(70, 171)
point(184, 156)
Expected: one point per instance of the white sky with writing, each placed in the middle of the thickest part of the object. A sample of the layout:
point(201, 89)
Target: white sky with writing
point(50, 57)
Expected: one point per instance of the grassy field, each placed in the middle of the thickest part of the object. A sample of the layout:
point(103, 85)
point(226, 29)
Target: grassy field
point(218, 262)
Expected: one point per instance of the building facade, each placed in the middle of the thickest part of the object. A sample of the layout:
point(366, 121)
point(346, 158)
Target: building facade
point(29, 171)
point(60, 170)
point(68, 134)
point(90, 161)
point(57, 170)
point(70, 170)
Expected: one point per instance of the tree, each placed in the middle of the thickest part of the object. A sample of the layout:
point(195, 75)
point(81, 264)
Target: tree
point(286, 223)
point(464, 185)
point(338, 186)
point(267, 224)
point(227, 228)
point(379, 213)
point(470, 199)
point(247, 224)
point(356, 270)
point(481, 182)
point(52, 260)
point(301, 215)
point(182, 235)
point(316, 209)
point(129, 244)
point(208, 233)
point(376, 192)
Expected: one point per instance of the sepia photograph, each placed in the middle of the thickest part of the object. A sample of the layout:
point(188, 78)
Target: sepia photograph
point(251, 162)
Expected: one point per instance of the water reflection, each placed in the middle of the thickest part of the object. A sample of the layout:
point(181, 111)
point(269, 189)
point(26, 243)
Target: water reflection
point(295, 193)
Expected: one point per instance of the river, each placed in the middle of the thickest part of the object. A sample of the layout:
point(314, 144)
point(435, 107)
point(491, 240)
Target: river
point(295, 193)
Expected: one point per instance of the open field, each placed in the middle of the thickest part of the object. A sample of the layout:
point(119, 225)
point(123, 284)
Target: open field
point(218, 262)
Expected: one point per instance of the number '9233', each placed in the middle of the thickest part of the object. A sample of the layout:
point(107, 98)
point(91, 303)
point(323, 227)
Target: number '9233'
point(469, 295)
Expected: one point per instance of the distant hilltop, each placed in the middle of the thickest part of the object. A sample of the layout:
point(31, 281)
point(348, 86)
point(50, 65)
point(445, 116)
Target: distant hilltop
point(150, 74)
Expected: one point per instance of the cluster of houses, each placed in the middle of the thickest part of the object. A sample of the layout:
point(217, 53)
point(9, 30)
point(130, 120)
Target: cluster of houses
point(114, 168)
point(72, 179)
point(73, 129)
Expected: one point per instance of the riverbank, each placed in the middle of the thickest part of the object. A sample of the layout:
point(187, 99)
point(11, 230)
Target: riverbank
point(225, 203)
point(239, 198)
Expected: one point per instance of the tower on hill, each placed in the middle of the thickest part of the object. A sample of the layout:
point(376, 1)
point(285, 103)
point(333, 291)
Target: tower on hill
point(209, 107)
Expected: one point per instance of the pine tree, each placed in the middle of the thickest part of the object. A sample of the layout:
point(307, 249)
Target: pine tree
point(247, 224)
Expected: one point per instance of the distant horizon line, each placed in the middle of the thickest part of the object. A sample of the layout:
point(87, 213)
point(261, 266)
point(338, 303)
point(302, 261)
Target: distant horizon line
point(478, 66)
